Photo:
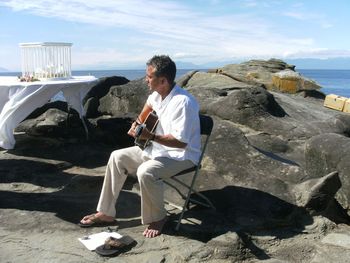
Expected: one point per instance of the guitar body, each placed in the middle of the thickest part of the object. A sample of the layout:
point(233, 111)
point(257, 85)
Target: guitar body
point(150, 123)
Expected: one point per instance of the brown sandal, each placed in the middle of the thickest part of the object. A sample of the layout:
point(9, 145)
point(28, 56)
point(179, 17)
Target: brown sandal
point(96, 222)
point(114, 246)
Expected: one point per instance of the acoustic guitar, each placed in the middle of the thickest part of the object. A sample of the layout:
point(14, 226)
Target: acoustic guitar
point(150, 123)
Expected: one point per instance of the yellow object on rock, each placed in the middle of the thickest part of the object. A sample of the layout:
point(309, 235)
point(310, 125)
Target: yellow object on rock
point(336, 102)
point(347, 106)
point(285, 85)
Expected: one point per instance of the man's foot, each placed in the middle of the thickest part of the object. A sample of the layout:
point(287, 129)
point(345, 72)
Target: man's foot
point(98, 219)
point(155, 228)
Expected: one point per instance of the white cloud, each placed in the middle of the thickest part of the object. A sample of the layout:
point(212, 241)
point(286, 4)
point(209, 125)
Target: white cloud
point(174, 28)
point(183, 55)
point(260, 3)
point(309, 17)
point(296, 15)
point(89, 57)
point(250, 3)
point(322, 53)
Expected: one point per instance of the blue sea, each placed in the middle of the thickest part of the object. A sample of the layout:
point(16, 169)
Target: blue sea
point(332, 81)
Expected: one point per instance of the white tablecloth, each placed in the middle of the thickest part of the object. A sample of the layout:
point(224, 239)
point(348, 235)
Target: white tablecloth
point(19, 99)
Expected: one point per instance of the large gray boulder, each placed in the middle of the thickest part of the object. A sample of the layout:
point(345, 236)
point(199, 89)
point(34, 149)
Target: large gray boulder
point(91, 100)
point(262, 146)
point(124, 99)
point(255, 71)
point(214, 80)
point(326, 153)
point(276, 169)
point(318, 194)
point(244, 105)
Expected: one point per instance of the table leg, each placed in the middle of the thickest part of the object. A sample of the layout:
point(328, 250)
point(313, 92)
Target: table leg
point(82, 120)
point(85, 127)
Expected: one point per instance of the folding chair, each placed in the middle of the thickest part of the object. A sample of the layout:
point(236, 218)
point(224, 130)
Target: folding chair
point(206, 124)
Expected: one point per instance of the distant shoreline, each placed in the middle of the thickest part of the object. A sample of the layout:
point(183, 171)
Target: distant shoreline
point(130, 74)
point(332, 81)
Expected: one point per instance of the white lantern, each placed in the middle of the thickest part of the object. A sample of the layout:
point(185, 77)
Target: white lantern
point(46, 60)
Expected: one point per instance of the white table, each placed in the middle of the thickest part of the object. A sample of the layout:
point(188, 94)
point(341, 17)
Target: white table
point(19, 99)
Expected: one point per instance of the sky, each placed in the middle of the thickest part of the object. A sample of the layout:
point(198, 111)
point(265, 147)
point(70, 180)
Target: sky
point(124, 34)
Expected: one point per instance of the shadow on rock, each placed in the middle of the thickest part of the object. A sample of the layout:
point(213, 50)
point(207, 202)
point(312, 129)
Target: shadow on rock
point(244, 211)
point(33, 172)
point(112, 131)
point(69, 197)
point(86, 154)
point(276, 157)
point(70, 208)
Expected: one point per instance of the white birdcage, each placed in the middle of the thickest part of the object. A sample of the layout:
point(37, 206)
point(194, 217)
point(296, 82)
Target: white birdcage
point(46, 60)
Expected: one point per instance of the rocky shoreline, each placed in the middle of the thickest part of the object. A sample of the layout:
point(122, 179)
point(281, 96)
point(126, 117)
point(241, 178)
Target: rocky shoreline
point(276, 169)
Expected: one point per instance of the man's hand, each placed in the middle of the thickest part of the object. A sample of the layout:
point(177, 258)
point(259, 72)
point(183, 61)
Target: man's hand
point(132, 129)
point(145, 134)
point(167, 140)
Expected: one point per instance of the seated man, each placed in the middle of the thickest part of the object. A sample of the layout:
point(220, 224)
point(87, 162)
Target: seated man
point(175, 146)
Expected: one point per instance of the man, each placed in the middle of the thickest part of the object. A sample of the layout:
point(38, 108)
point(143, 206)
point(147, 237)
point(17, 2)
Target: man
point(175, 147)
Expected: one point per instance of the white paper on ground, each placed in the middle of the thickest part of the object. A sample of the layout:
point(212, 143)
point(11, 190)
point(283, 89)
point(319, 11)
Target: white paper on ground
point(96, 240)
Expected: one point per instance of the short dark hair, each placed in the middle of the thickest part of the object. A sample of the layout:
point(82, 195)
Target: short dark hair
point(164, 67)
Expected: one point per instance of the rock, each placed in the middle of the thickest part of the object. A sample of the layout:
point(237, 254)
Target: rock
point(60, 105)
point(344, 119)
point(313, 93)
point(316, 194)
point(91, 107)
point(207, 96)
point(334, 246)
point(103, 86)
point(204, 80)
point(304, 118)
point(182, 81)
point(255, 71)
point(271, 260)
point(246, 106)
point(50, 122)
point(268, 129)
point(268, 142)
point(267, 169)
point(228, 246)
point(329, 152)
point(292, 82)
point(337, 239)
point(124, 99)
point(91, 100)
point(112, 131)
point(326, 254)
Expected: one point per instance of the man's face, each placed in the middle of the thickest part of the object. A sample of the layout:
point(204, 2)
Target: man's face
point(153, 82)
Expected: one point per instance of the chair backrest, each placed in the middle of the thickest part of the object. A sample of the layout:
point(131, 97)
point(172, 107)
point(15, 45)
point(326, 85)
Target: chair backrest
point(206, 123)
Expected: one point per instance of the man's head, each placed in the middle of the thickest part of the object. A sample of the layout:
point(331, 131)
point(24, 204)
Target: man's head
point(163, 66)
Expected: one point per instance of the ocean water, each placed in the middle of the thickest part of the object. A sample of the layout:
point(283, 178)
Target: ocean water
point(331, 81)
point(131, 74)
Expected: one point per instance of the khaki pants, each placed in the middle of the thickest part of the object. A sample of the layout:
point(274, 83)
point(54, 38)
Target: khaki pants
point(130, 161)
